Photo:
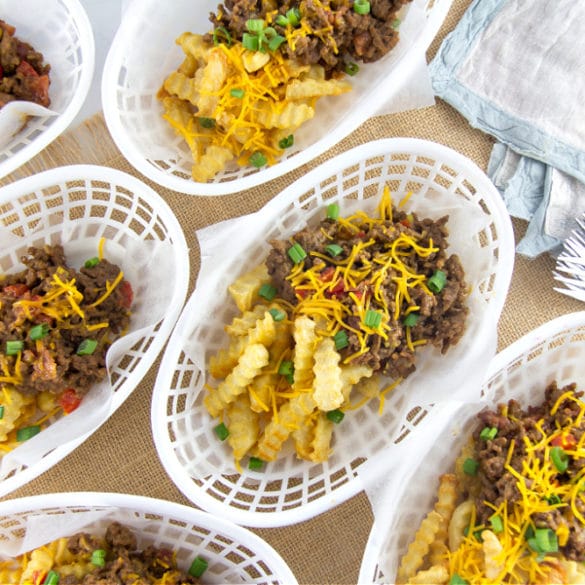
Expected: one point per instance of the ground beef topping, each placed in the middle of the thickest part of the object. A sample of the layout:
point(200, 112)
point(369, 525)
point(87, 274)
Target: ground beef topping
point(56, 325)
point(384, 286)
point(331, 33)
point(531, 472)
point(24, 75)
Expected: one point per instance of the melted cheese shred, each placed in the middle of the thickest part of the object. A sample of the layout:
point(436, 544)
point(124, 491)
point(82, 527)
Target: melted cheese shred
point(364, 280)
point(537, 482)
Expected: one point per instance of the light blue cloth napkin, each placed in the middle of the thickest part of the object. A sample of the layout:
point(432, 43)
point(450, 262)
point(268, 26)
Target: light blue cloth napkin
point(516, 70)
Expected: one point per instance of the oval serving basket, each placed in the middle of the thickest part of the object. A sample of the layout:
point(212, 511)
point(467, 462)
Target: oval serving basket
point(553, 351)
point(233, 554)
point(144, 52)
point(290, 490)
point(77, 206)
point(61, 30)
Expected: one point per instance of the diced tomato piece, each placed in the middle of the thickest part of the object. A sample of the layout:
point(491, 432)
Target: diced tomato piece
point(566, 441)
point(26, 69)
point(338, 287)
point(127, 294)
point(327, 274)
point(15, 290)
point(69, 400)
point(302, 292)
point(361, 235)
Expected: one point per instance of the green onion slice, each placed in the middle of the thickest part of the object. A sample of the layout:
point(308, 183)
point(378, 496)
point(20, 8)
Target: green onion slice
point(52, 578)
point(470, 466)
point(250, 42)
point(352, 68)
point(296, 253)
point(488, 433)
point(39, 331)
point(543, 541)
point(91, 262)
point(560, 459)
point(206, 122)
point(457, 580)
point(255, 463)
point(286, 368)
point(333, 250)
point(267, 291)
point(372, 319)
point(198, 567)
point(554, 500)
point(281, 20)
point(437, 281)
point(411, 319)
point(98, 557)
point(275, 42)
point(286, 142)
point(27, 433)
point(294, 16)
point(237, 93)
point(221, 431)
point(1, 412)
point(277, 314)
point(255, 25)
point(222, 34)
point(340, 339)
point(361, 7)
point(86, 347)
point(257, 159)
point(497, 523)
point(333, 211)
point(335, 416)
point(13, 347)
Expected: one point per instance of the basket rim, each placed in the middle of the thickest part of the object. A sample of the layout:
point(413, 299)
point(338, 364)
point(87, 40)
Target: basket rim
point(178, 474)
point(63, 120)
point(146, 504)
point(348, 124)
point(181, 254)
point(446, 414)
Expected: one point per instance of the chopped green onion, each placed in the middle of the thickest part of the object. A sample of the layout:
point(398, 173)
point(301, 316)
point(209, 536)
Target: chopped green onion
point(13, 347)
point(333, 211)
point(457, 580)
point(27, 433)
point(554, 500)
point(333, 250)
point(52, 578)
point(277, 314)
point(335, 416)
point(257, 159)
point(294, 16)
point(470, 466)
point(543, 541)
point(86, 347)
point(395, 23)
point(91, 262)
point(361, 7)
point(1, 412)
point(476, 533)
point(237, 92)
point(255, 25)
point(250, 42)
point(372, 319)
point(255, 463)
point(497, 523)
point(219, 32)
point(275, 42)
point(340, 339)
point(411, 319)
point(281, 20)
point(267, 291)
point(560, 459)
point(437, 281)
point(221, 431)
point(198, 567)
point(352, 68)
point(296, 253)
point(98, 557)
point(286, 368)
point(39, 331)
point(206, 122)
point(286, 142)
point(488, 433)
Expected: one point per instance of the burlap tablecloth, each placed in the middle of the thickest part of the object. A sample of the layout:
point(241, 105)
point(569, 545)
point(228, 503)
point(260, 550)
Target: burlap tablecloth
point(120, 456)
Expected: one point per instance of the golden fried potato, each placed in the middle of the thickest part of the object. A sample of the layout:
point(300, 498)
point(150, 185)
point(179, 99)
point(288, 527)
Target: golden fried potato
point(327, 388)
point(244, 290)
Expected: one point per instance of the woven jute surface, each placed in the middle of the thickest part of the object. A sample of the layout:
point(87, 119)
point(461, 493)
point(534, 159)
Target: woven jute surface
point(120, 456)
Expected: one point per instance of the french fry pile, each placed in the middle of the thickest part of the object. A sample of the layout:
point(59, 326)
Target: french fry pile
point(229, 103)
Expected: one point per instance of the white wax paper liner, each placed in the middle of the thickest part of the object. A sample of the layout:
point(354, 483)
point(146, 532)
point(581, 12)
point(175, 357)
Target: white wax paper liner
point(452, 376)
point(150, 269)
point(14, 115)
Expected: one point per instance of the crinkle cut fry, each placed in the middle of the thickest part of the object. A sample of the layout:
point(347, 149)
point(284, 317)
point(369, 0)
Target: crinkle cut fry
point(328, 382)
point(251, 362)
point(244, 426)
point(445, 506)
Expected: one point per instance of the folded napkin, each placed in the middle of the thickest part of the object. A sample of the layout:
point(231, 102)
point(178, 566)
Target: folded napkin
point(516, 70)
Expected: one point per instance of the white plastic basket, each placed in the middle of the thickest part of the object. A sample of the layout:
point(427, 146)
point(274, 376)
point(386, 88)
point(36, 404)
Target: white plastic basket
point(61, 31)
point(234, 554)
point(553, 351)
point(291, 490)
point(143, 53)
point(76, 206)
